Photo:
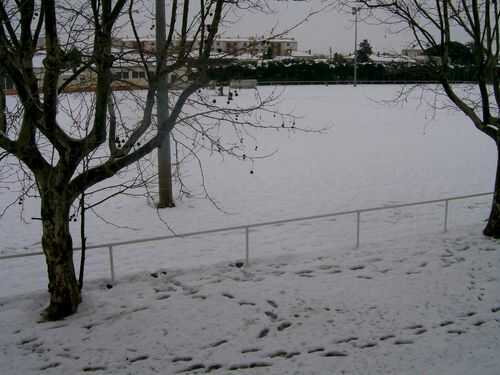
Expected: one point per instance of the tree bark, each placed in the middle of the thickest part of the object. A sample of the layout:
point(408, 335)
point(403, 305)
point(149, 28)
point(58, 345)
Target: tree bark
point(165, 189)
point(58, 248)
point(493, 227)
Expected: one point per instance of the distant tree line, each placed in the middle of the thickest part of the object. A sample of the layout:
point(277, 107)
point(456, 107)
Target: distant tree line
point(300, 70)
point(461, 60)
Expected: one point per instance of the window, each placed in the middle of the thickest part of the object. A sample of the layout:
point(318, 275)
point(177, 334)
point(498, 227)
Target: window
point(7, 83)
point(138, 75)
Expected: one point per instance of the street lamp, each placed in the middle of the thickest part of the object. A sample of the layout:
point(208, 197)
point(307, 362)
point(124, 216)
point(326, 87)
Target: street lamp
point(355, 12)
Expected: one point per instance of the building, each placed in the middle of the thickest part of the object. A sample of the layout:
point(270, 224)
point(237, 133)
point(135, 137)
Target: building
point(230, 47)
point(128, 72)
point(274, 47)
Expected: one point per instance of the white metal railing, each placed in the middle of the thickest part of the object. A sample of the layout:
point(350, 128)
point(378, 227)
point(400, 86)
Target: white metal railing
point(246, 228)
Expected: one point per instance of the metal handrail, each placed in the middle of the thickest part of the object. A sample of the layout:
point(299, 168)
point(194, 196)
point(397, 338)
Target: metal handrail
point(247, 227)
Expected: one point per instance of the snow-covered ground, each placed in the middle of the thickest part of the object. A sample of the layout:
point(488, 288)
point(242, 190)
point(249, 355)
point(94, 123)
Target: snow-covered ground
point(426, 306)
point(411, 300)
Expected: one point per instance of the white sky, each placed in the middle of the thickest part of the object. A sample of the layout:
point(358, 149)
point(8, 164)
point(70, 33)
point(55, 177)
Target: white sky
point(330, 28)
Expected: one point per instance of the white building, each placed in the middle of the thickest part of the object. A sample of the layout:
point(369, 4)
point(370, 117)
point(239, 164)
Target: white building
point(230, 47)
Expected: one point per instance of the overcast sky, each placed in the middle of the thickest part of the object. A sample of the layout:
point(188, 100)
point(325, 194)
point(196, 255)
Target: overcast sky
point(331, 28)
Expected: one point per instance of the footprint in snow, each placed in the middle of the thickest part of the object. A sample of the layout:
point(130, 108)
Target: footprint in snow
point(243, 366)
point(27, 340)
point(415, 326)
point(366, 345)
point(162, 297)
point(335, 271)
point(346, 340)
point(250, 350)
point(469, 314)
point(335, 353)
point(271, 315)
point(446, 323)
point(218, 343)
point(284, 326)
point(316, 350)
point(455, 331)
point(304, 271)
point(279, 353)
point(403, 342)
point(387, 337)
point(181, 359)
point(272, 303)
point(49, 366)
point(94, 368)
point(263, 333)
point(138, 358)
point(413, 272)
point(198, 296)
point(292, 354)
point(357, 268)
point(308, 275)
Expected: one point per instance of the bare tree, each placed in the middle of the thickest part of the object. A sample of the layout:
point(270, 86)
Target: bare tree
point(60, 180)
point(66, 146)
point(436, 24)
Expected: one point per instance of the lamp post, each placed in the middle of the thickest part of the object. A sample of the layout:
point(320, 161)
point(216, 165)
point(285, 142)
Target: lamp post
point(355, 14)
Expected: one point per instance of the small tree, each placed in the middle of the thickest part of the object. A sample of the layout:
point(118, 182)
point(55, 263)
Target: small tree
point(458, 53)
point(338, 59)
point(436, 24)
point(268, 53)
point(364, 51)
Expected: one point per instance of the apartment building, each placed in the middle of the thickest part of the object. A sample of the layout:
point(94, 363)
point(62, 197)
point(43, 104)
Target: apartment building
point(230, 47)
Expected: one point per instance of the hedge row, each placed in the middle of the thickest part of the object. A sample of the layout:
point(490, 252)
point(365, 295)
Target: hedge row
point(323, 71)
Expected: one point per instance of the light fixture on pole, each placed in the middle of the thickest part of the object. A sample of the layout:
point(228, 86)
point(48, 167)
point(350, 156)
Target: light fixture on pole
point(355, 14)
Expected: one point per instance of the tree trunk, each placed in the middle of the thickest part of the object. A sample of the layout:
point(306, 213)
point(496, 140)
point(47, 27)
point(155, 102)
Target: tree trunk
point(493, 227)
point(58, 249)
point(165, 188)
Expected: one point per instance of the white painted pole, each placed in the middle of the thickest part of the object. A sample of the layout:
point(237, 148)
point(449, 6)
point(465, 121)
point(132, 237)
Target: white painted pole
point(111, 264)
point(355, 12)
point(247, 246)
point(446, 216)
point(358, 220)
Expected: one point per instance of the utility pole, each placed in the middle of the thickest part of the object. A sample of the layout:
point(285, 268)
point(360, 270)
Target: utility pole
point(355, 13)
point(166, 197)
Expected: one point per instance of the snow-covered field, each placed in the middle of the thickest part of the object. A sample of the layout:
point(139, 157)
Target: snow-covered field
point(411, 300)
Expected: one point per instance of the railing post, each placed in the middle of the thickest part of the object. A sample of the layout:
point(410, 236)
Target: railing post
point(111, 264)
point(358, 219)
point(445, 215)
point(247, 246)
